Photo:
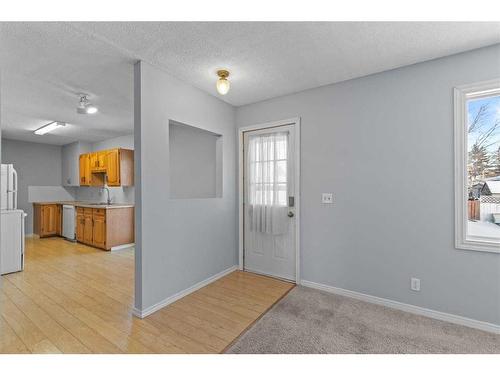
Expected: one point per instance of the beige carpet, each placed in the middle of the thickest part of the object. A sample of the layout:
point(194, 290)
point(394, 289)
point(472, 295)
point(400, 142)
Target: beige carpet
point(311, 321)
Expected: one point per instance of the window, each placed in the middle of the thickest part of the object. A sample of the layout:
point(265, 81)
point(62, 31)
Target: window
point(267, 169)
point(477, 166)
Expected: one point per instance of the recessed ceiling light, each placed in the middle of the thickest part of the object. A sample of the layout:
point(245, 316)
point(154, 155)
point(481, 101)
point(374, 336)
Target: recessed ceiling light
point(85, 107)
point(222, 83)
point(49, 127)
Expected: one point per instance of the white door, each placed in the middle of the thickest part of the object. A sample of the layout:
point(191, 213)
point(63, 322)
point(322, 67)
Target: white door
point(269, 221)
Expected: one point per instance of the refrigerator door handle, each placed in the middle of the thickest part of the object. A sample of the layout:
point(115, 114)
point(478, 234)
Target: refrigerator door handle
point(14, 183)
point(14, 192)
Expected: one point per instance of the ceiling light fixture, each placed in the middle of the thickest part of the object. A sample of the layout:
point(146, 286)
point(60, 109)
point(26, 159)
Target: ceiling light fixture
point(49, 127)
point(91, 109)
point(222, 83)
point(85, 107)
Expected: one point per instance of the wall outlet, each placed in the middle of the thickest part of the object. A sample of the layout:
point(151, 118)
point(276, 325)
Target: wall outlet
point(415, 284)
point(327, 198)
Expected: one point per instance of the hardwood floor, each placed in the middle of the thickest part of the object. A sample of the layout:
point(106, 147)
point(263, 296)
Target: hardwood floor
point(72, 298)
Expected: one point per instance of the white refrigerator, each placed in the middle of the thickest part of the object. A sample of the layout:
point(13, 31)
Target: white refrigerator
point(11, 223)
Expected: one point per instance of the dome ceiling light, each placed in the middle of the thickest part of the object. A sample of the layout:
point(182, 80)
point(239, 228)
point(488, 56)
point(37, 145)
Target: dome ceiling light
point(85, 107)
point(222, 83)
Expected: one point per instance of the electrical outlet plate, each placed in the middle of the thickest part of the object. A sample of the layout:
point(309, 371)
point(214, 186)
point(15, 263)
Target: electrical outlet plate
point(327, 198)
point(415, 284)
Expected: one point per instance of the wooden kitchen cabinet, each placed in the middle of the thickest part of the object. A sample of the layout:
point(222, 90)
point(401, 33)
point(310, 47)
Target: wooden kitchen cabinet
point(98, 161)
point(114, 166)
point(99, 228)
point(47, 219)
point(88, 230)
point(84, 225)
point(59, 217)
point(80, 225)
point(85, 175)
point(105, 228)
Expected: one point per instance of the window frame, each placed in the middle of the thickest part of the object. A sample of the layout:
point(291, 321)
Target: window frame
point(461, 95)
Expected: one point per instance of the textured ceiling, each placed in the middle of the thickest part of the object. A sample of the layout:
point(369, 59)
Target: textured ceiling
point(44, 65)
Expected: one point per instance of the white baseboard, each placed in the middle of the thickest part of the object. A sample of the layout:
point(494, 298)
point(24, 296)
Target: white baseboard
point(122, 247)
point(484, 326)
point(167, 301)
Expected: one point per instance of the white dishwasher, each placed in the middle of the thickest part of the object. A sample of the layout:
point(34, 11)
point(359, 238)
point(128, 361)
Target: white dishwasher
point(69, 222)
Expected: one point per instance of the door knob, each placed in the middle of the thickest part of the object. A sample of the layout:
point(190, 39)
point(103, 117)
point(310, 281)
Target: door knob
point(291, 214)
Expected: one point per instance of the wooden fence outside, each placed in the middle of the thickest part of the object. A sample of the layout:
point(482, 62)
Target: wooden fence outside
point(473, 210)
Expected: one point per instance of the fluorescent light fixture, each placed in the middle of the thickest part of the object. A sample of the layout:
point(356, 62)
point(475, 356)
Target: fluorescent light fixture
point(49, 127)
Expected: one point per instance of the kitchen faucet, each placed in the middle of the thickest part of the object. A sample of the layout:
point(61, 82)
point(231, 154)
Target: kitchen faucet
point(108, 201)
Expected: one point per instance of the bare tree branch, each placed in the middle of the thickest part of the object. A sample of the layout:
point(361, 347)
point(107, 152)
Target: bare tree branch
point(478, 118)
point(482, 138)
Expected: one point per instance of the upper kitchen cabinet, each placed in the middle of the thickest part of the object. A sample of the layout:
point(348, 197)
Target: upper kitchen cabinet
point(98, 161)
point(116, 166)
point(120, 167)
point(71, 164)
point(113, 167)
point(84, 165)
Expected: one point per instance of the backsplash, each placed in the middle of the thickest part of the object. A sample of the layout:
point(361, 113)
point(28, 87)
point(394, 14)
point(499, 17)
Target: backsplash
point(50, 193)
point(96, 194)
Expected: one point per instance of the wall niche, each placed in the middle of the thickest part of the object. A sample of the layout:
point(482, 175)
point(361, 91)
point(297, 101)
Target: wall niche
point(195, 162)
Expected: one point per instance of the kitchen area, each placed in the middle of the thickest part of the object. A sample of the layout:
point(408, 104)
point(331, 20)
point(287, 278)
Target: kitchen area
point(82, 192)
point(106, 225)
point(101, 225)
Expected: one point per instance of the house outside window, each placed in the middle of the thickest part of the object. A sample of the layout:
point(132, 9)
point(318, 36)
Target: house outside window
point(477, 166)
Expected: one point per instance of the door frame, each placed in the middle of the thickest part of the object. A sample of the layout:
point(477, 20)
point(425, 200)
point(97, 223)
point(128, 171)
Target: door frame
point(296, 123)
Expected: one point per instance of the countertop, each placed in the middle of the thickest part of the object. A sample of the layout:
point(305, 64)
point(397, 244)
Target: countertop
point(90, 204)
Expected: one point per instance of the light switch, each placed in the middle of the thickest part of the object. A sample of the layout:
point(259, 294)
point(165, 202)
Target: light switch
point(327, 198)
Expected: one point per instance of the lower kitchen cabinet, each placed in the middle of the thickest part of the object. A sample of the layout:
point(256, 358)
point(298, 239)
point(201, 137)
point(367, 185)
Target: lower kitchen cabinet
point(105, 228)
point(99, 229)
point(80, 225)
point(47, 219)
point(88, 227)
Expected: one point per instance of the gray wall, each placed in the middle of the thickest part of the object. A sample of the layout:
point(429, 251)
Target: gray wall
point(37, 165)
point(383, 144)
point(117, 194)
point(193, 162)
point(183, 241)
point(71, 162)
point(125, 141)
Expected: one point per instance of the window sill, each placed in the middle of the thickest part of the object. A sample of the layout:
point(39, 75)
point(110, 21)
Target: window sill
point(479, 244)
